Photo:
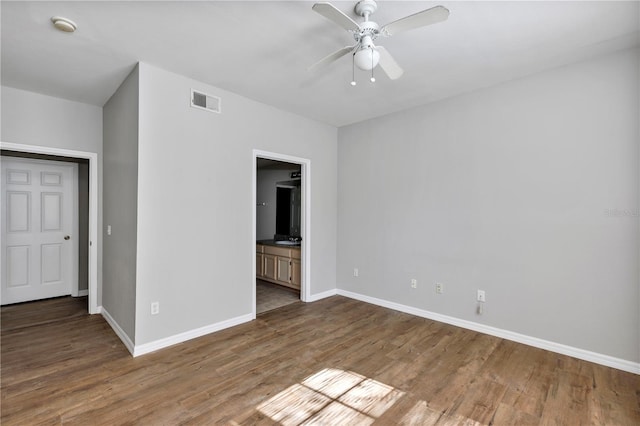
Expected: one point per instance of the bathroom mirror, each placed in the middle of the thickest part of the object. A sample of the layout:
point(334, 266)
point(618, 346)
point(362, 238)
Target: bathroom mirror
point(288, 208)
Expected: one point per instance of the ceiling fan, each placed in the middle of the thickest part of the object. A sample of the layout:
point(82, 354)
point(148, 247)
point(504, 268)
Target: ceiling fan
point(366, 55)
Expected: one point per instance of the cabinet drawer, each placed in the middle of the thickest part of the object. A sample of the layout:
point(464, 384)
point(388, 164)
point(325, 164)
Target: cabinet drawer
point(277, 251)
point(259, 248)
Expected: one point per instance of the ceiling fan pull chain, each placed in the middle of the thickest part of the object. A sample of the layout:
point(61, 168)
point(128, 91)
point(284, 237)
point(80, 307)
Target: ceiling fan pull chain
point(373, 79)
point(353, 69)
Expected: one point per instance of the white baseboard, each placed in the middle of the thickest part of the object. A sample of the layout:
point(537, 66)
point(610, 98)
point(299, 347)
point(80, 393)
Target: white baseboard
point(188, 335)
point(117, 329)
point(609, 361)
point(323, 295)
point(82, 293)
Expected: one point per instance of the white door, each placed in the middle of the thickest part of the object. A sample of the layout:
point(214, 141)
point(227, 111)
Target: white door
point(39, 229)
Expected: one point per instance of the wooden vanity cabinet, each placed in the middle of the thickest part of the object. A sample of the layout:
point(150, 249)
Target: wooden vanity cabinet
point(296, 273)
point(279, 265)
point(259, 260)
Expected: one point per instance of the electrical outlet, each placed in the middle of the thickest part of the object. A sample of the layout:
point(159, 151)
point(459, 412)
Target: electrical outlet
point(439, 288)
point(481, 296)
point(414, 283)
point(355, 272)
point(155, 308)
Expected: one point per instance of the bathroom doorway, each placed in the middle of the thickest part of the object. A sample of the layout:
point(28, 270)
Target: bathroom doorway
point(281, 230)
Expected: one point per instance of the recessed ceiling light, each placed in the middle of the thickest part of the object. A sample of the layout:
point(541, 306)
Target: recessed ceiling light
point(64, 24)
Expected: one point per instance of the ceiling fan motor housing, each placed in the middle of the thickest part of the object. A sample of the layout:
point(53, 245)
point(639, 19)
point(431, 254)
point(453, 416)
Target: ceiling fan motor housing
point(368, 28)
point(366, 57)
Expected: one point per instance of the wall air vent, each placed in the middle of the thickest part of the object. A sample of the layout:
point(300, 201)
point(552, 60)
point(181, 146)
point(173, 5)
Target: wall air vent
point(206, 102)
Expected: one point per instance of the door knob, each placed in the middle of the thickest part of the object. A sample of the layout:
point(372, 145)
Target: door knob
point(66, 237)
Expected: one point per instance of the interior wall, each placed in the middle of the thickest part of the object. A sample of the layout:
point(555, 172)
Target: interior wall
point(30, 118)
point(528, 190)
point(120, 204)
point(266, 193)
point(34, 119)
point(195, 202)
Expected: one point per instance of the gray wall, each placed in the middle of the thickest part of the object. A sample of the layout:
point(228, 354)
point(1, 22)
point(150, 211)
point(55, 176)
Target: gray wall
point(266, 193)
point(505, 189)
point(120, 203)
point(195, 202)
point(33, 119)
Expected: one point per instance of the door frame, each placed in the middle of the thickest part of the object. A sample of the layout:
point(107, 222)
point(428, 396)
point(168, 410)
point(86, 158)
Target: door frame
point(305, 220)
point(75, 208)
point(93, 206)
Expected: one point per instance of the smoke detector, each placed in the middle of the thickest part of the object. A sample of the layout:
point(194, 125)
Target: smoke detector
point(64, 24)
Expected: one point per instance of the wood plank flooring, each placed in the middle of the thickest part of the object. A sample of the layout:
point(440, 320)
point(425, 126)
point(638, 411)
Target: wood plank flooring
point(333, 362)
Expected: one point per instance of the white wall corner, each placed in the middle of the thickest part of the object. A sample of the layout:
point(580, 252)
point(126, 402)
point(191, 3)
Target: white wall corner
point(606, 360)
point(188, 335)
point(117, 329)
point(323, 295)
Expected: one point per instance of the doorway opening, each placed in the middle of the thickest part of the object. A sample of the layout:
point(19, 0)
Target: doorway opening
point(77, 279)
point(281, 230)
point(41, 206)
point(87, 208)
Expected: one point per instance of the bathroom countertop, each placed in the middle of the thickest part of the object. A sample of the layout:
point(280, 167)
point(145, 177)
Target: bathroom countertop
point(273, 243)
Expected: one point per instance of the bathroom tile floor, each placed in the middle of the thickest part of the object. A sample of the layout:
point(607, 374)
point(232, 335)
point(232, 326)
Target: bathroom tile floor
point(272, 296)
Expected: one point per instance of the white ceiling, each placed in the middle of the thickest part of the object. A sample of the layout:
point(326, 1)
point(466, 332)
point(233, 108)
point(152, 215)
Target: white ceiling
point(262, 49)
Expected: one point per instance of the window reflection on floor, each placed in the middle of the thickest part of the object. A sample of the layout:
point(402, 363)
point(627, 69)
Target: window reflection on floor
point(331, 396)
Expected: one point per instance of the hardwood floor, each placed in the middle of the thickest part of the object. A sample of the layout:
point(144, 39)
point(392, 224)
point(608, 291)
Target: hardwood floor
point(336, 361)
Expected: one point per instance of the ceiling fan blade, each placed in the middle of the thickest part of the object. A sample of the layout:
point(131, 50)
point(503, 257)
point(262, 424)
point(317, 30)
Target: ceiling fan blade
point(420, 19)
point(332, 57)
point(330, 12)
point(388, 64)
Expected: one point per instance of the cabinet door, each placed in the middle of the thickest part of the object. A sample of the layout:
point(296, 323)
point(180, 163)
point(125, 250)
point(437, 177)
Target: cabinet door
point(296, 273)
point(284, 270)
point(259, 265)
point(270, 267)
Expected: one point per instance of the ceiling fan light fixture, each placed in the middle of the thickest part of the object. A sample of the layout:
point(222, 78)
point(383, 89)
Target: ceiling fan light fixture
point(64, 24)
point(367, 58)
point(366, 55)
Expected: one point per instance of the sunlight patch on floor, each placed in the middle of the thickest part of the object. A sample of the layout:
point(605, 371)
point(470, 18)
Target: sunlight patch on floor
point(294, 405)
point(331, 396)
point(421, 414)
